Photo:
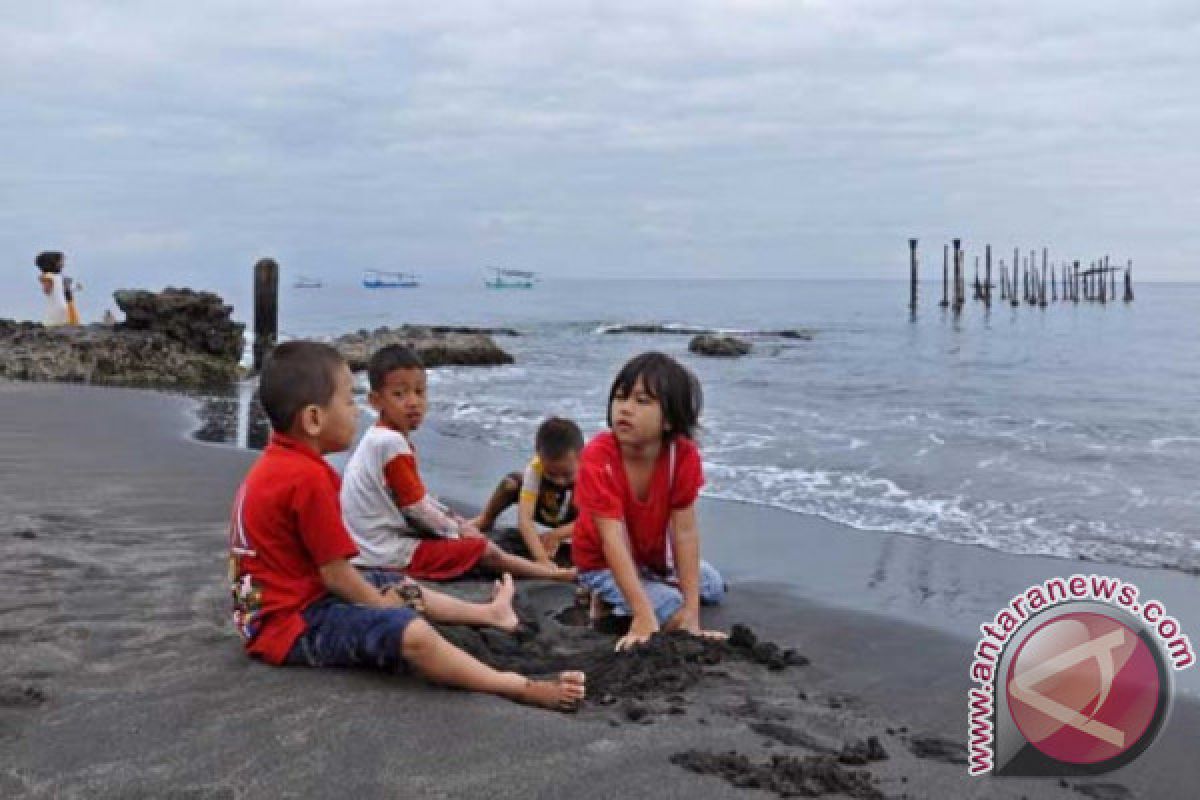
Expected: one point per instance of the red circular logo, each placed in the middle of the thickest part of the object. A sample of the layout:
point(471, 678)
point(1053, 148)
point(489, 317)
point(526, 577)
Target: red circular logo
point(1083, 688)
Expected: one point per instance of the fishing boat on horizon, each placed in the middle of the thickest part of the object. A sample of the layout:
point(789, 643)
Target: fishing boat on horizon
point(505, 278)
point(305, 282)
point(382, 279)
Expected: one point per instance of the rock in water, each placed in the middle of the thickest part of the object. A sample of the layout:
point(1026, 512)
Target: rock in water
point(437, 347)
point(724, 346)
point(176, 339)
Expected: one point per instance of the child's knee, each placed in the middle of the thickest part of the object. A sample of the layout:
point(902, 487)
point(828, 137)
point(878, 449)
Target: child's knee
point(511, 483)
point(712, 584)
point(419, 640)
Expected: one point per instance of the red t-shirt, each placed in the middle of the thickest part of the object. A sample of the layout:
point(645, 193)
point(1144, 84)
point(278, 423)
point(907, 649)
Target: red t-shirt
point(602, 490)
point(287, 522)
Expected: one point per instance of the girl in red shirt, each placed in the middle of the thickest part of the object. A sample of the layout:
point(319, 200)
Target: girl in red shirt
point(636, 544)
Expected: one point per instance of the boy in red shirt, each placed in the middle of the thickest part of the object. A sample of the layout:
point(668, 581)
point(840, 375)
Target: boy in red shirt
point(636, 491)
point(297, 598)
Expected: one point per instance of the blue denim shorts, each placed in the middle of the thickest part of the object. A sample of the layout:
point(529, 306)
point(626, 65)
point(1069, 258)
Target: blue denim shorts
point(663, 592)
point(342, 634)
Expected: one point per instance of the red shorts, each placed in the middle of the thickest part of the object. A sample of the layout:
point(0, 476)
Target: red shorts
point(444, 559)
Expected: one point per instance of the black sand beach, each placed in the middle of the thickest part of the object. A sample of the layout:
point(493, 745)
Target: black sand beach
point(120, 675)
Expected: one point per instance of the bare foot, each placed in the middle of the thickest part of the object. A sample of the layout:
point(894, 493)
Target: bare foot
point(563, 693)
point(501, 607)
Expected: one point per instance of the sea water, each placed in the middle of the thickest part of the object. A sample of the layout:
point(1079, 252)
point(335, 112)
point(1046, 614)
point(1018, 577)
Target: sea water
point(1069, 430)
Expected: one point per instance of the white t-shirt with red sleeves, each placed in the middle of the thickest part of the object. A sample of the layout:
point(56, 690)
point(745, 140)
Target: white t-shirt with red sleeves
point(382, 495)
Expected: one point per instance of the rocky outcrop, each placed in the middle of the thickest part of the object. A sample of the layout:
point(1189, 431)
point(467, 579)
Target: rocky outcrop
point(199, 321)
point(722, 346)
point(437, 347)
point(176, 339)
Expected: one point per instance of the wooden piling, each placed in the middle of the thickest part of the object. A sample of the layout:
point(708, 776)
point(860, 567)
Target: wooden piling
point(945, 275)
point(1112, 277)
point(1129, 281)
point(958, 276)
point(1075, 284)
point(987, 275)
point(912, 265)
point(266, 309)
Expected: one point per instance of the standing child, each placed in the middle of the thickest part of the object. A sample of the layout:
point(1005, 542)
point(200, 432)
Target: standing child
point(544, 493)
point(397, 523)
point(297, 599)
point(50, 265)
point(636, 544)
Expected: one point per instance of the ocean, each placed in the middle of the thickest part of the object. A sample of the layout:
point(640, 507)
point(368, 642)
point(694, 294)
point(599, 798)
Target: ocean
point(1065, 431)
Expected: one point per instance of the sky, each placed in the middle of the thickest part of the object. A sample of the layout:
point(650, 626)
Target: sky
point(176, 143)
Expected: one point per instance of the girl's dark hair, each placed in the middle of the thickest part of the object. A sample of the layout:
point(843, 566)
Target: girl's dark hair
point(49, 261)
point(556, 437)
point(387, 359)
point(297, 374)
point(672, 384)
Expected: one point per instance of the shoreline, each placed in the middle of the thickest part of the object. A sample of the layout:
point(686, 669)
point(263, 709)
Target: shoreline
point(115, 629)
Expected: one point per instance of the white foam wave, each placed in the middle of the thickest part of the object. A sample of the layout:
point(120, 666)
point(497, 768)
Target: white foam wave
point(1158, 445)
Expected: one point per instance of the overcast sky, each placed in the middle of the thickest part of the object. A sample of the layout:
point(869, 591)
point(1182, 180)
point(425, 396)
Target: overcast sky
point(162, 142)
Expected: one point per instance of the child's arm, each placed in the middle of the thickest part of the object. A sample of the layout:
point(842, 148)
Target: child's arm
point(685, 543)
point(620, 561)
point(429, 516)
point(420, 508)
point(342, 579)
point(526, 504)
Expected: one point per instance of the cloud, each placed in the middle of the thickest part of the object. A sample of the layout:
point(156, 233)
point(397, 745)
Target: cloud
point(806, 138)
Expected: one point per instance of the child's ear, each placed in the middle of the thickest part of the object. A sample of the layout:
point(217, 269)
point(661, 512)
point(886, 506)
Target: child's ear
point(312, 419)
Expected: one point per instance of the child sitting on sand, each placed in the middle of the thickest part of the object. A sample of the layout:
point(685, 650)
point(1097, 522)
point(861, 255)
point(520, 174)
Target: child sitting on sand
point(636, 491)
point(397, 524)
point(543, 494)
point(297, 599)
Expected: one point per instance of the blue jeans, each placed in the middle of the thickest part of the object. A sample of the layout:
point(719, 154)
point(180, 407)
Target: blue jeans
point(341, 634)
point(662, 591)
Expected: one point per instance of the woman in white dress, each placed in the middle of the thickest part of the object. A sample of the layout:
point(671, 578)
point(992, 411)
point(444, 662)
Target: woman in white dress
point(50, 264)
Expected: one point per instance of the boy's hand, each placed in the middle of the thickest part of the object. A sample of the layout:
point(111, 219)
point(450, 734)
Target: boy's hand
point(550, 543)
point(639, 632)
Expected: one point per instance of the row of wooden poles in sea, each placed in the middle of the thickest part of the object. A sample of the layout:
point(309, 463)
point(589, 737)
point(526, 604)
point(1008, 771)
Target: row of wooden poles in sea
point(1023, 280)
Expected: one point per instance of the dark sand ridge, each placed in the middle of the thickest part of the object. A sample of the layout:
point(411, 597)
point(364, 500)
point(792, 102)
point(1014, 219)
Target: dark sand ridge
point(120, 675)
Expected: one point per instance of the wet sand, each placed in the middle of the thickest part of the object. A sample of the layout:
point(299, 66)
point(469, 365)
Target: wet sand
point(121, 677)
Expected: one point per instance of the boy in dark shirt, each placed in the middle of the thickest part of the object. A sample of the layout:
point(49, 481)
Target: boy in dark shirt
point(544, 493)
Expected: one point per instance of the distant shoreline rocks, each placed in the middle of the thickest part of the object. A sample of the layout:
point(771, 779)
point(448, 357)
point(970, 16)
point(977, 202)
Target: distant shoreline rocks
point(176, 338)
point(804, 334)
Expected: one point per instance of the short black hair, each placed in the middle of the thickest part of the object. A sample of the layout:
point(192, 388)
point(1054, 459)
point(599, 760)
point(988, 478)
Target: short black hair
point(674, 386)
point(49, 261)
point(387, 359)
point(297, 374)
point(556, 437)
